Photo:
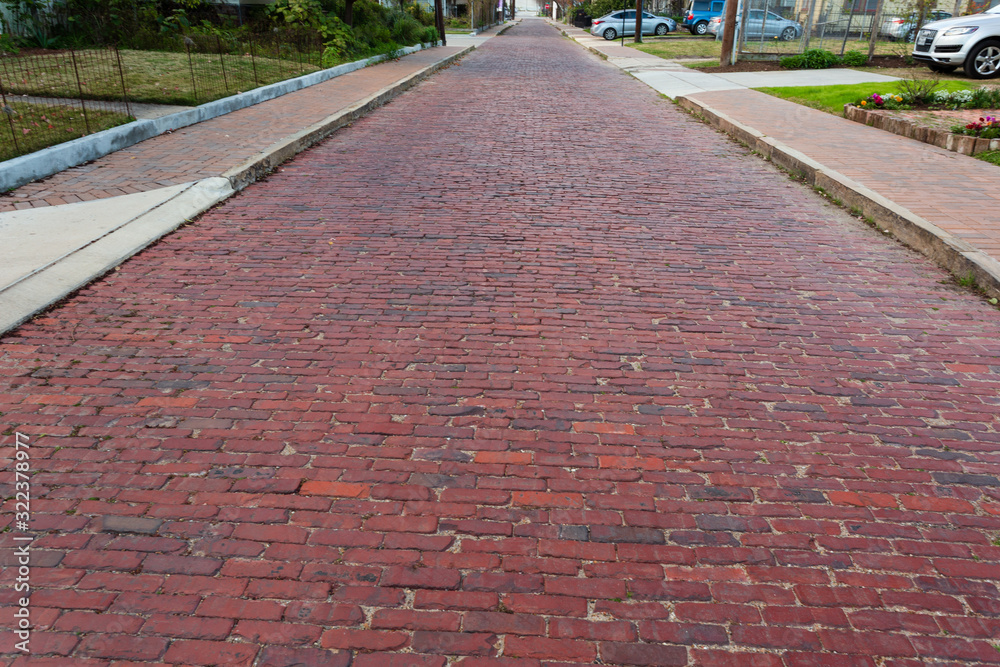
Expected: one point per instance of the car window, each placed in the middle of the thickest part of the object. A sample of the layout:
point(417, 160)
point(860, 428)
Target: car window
point(756, 14)
point(616, 15)
point(773, 17)
point(647, 15)
point(630, 14)
point(718, 6)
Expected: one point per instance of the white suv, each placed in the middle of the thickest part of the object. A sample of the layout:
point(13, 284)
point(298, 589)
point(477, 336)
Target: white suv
point(972, 42)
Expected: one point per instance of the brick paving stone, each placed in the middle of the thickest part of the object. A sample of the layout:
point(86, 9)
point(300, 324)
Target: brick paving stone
point(525, 368)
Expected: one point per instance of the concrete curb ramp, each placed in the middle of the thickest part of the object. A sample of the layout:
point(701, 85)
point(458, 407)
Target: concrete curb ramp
point(51, 252)
point(948, 251)
point(107, 231)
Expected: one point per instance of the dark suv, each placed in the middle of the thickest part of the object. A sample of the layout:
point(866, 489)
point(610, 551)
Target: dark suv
point(699, 12)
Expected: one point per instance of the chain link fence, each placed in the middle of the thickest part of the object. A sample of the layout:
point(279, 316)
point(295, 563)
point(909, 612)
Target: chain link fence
point(785, 27)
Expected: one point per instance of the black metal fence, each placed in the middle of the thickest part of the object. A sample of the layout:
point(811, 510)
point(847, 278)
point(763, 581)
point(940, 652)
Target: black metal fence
point(59, 96)
point(52, 97)
point(219, 66)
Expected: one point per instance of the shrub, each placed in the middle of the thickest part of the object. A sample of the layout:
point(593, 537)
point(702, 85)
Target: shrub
point(810, 59)
point(918, 90)
point(430, 35)
point(854, 59)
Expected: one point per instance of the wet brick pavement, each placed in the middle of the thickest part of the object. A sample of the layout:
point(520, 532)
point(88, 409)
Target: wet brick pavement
point(525, 368)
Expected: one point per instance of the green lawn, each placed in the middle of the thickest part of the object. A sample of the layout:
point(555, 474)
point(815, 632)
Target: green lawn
point(683, 45)
point(31, 127)
point(161, 77)
point(833, 98)
point(678, 45)
point(993, 157)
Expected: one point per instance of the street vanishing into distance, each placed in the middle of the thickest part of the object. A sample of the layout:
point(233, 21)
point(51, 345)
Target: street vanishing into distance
point(527, 367)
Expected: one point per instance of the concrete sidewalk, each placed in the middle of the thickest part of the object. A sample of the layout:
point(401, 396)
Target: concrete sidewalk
point(66, 230)
point(941, 203)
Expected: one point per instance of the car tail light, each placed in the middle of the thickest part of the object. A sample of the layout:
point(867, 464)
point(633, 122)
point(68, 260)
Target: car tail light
point(690, 17)
point(899, 20)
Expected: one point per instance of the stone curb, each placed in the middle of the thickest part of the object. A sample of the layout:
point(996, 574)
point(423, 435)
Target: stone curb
point(48, 161)
point(264, 162)
point(35, 293)
point(948, 251)
point(957, 143)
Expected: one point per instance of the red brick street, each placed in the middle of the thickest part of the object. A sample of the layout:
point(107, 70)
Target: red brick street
point(528, 367)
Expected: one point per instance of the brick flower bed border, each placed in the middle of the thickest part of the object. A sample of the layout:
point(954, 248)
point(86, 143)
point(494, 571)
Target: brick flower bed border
point(929, 135)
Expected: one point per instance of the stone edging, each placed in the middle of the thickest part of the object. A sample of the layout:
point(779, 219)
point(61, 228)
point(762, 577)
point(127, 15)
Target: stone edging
point(948, 251)
point(958, 143)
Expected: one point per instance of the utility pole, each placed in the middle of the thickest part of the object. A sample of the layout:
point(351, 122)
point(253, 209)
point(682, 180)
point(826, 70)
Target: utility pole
point(439, 19)
point(638, 21)
point(729, 34)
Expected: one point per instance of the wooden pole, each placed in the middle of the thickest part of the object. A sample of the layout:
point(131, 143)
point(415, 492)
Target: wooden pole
point(876, 26)
point(728, 33)
point(439, 19)
point(638, 21)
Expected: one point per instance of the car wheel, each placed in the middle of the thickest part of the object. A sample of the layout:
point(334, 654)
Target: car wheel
point(700, 28)
point(983, 62)
point(609, 34)
point(788, 34)
point(941, 69)
point(662, 29)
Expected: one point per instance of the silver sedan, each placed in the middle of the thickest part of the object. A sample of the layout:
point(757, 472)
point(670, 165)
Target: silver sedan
point(761, 24)
point(614, 25)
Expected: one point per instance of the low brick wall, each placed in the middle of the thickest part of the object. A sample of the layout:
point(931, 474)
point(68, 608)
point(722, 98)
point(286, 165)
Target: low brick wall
point(883, 120)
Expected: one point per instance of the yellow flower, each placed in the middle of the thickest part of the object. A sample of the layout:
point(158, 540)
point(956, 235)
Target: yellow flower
point(898, 98)
point(864, 103)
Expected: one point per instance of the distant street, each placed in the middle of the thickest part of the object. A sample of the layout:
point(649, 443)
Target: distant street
point(528, 367)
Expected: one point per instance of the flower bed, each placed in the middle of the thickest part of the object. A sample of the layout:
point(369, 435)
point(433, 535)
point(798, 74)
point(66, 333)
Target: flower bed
point(927, 125)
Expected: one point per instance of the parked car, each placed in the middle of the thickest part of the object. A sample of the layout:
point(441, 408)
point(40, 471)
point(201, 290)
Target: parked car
point(614, 25)
point(699, 13)
point(905, 27)
point(971, 42)
point(761, 24)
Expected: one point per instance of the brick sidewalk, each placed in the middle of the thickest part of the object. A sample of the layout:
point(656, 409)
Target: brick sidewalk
point(955, 192)
point(211, 147)
point(456, 388)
